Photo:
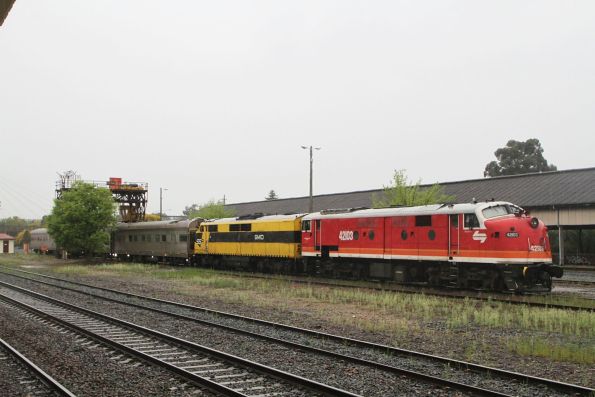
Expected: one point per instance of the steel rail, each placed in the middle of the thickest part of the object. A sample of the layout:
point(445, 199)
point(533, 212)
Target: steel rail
point(295, 380)
point(356, 360)
point(586, 282)
point(40, 374)
point(322, 335)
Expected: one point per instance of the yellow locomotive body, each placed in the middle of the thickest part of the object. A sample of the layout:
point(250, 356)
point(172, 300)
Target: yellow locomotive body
point(274, 236)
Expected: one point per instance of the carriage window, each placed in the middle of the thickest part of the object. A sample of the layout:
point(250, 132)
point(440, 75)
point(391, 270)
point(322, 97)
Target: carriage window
point(130, 237)
point(234, 227)
point(183, 238)
point(306, 226)
point(471, 221)
point(163, 237)
point(246, 227)
point(135, 237)
point(423, 220)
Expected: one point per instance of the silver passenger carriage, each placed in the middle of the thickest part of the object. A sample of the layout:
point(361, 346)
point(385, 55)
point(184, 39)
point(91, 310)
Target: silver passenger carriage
point(42, 242)
point(157, 241)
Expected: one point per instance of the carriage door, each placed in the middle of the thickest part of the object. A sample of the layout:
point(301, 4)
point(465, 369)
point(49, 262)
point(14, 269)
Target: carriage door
point(453, 236)
point(5, 246)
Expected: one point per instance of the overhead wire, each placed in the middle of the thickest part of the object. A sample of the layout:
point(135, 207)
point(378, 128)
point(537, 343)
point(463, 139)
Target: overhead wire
point(18, 200)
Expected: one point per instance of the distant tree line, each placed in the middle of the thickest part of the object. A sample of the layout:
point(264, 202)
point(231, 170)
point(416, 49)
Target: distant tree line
point(15, 225)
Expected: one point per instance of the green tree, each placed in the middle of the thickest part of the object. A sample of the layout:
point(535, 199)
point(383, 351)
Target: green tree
point(82, 219)
point(272, 196)
point(212, 210)
point(190, 209)
point(14, 225)
point(518, 158)
point(402, 192)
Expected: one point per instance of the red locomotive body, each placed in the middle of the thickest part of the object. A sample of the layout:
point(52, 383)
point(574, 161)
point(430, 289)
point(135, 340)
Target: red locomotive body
point(492, 245)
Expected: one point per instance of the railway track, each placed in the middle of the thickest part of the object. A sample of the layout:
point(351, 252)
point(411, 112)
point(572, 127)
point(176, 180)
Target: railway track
point(32, 379)
point(428, 291)
point(589, 283)
point(455, 294)
point(219, 372)
point(480, 380)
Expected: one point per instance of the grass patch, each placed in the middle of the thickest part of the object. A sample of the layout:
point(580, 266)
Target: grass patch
point(539, 347)
point(22, 259)
point(575, 323)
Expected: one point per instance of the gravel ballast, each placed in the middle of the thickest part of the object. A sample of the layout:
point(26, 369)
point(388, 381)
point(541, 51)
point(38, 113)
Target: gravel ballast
point(84, 369)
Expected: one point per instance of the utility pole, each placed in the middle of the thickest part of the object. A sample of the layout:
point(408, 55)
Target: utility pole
point(311, 205)
point(161, 189)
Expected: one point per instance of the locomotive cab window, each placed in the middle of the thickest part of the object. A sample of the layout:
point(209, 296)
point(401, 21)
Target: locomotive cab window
point(471, 221)
point(235, 227)
point(212, 228)
point(306, 226)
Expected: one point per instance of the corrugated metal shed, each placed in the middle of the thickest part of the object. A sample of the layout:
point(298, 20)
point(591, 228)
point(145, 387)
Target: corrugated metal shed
point(569, 188)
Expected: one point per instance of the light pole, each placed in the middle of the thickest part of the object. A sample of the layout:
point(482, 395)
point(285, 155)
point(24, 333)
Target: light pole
point(311, 206)
point(161, 189)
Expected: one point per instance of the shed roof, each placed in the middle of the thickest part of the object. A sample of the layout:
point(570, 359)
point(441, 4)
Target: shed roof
point(568, 188)
point(4, 236)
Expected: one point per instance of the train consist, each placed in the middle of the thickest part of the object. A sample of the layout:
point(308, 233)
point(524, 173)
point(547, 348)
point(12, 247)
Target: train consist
point(488, 246)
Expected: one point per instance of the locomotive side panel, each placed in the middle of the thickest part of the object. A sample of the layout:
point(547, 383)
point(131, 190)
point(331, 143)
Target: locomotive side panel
point(273, 236)
point(404, 244)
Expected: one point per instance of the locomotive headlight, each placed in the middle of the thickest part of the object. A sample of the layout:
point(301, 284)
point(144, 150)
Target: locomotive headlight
point(534, 223)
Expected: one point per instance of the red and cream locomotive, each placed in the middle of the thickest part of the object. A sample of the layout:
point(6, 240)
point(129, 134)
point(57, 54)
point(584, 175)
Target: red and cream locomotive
point(490, 245)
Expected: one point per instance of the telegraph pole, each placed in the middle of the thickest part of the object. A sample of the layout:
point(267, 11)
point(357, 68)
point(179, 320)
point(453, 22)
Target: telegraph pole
point(311, 205)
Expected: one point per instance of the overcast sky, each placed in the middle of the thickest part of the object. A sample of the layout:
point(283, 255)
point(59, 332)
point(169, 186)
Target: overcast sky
point(214, 98)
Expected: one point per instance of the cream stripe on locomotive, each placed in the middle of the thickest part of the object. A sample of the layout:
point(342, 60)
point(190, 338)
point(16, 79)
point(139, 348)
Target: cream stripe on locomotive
point(432, 258)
